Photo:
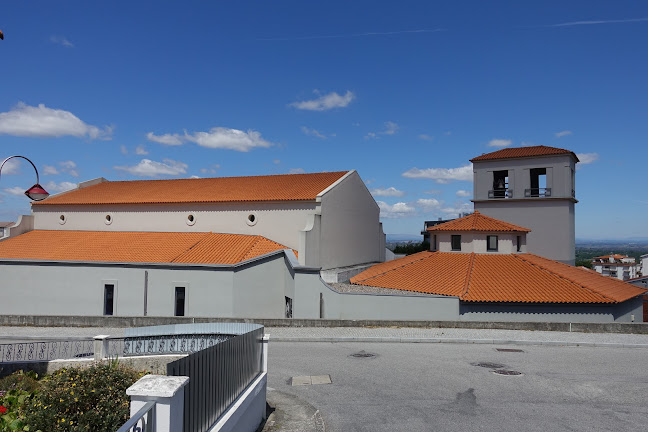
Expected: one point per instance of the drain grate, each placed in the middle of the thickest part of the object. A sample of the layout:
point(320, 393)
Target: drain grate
point(362, 354)
point(509, 350)
point(489, 365)
point(507, 372)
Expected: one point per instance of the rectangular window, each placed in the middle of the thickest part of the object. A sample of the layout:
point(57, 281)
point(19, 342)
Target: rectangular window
point(455, 242)
point(109, 299)
point(500, 184)
point(434, 245)
point(519, 243)
point(289, 307)
point(538, 182)
point(179, 301)
point(491, 243)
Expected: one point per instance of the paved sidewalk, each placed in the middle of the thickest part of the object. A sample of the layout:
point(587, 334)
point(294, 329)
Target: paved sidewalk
point(381, 334)
point(449, 335)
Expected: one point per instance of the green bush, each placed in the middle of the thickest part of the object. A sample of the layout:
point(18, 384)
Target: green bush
point(27, 381)
point(82, 399)
point(11, 415)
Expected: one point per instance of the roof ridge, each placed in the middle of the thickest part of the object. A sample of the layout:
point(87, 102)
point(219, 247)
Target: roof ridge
point(256, 241)
point(468, 275)
point(203, 238)
point(401, 266)
point(570, 280)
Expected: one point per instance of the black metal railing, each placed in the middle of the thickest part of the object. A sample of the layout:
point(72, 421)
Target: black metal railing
point(217, 376)
point(537, 192)
point(142, 421)
point(500, 193)
point(37, 351)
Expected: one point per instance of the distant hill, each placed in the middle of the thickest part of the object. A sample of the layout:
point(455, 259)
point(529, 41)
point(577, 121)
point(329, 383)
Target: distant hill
point(403, 238)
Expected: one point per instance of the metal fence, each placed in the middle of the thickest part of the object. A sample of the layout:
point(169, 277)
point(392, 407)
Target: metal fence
point(142, 421)
point(37, 351)
point(217, 376)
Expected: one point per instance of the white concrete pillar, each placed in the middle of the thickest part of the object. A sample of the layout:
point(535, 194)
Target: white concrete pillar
point(264, 354)
point(101, 347)
point(167, 392)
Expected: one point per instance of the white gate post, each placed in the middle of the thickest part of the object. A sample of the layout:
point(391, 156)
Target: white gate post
point(168, 394)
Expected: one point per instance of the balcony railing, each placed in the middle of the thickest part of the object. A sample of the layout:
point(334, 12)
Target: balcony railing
point(500, 193)
point(537, 192)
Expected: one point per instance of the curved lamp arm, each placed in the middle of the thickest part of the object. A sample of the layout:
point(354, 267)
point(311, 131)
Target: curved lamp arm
point(36, 192)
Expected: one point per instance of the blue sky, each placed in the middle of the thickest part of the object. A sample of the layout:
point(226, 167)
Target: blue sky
point(138, 90)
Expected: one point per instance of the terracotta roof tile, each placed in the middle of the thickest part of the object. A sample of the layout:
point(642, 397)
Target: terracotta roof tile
point(523, 152)
point(519, 278)
point(288, 187)
point(478, 222)
point(149, 247)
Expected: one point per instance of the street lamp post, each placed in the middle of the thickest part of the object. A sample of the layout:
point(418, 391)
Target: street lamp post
point(36, 192)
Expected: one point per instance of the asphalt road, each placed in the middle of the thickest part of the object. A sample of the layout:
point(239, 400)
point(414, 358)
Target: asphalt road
point(439, 387)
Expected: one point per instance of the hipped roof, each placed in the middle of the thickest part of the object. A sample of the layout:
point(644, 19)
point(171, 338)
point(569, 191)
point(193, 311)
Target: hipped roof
point(478, 222)
point(515, 278)
point(523, 152)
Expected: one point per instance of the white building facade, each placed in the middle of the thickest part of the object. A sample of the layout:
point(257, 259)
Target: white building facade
point(620, 267)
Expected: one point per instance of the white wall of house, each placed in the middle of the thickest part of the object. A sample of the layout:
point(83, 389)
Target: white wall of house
point(280, 222)
point(476, 242)
point(559, 175)
point(619, 271)
point(551, 221)
point(351, 232)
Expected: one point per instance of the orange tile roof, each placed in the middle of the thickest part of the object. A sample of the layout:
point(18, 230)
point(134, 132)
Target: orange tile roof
point(478, 222)
point(143, 247)
point(523, 152)
point(615, 256)
point(288, 187)
point(518, 278)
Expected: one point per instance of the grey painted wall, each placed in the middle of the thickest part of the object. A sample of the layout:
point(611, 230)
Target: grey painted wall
point(551, 221)
point(554, 312)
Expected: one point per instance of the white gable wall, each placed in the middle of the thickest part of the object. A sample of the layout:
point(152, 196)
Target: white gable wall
point(351, 232)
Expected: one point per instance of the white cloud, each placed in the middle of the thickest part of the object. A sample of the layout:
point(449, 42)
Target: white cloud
point(42, 122)
point(442, 175)
point(141, 150)
point(49, 170)
point(61, 40)
point(67, 167)
point(458, 209)
point(426, 137)
point(149, 168)
point(123, 149)
point(499, 143)
point(433, 192)
point(12, 166)
point(53, 187)
point(429, 204)
point(276, 161)
point(593, 22)
point(563, 133)
point(390, 192)
point(166, 139)
point(313, 132)
point(16, 190)
point(390, 129)
point(463, 193)
point(213, 169)
point(325, 102)
point(296, 171)
point(586, 158)
point(230, 139)
point(397, 210)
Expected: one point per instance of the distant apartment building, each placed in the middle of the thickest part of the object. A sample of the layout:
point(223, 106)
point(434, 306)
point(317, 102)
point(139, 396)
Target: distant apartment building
point(621, 267)
point(644, 265)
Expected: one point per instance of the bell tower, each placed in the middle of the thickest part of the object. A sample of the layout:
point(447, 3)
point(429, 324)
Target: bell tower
point(532, 187)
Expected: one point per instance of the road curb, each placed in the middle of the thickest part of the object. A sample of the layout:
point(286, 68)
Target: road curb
point(454, 341)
